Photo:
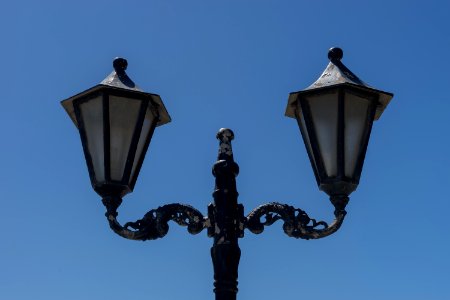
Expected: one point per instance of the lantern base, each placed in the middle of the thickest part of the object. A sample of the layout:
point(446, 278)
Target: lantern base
point(110, 189)
point(338, 187)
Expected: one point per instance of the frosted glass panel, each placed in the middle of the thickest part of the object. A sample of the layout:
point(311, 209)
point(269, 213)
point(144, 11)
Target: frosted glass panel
point(142, 138)
point(92, 115)
point(324, 111)
point(356, 110)
point(123, 114)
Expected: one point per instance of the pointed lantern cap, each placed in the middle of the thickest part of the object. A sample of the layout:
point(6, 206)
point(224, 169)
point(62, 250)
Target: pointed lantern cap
point(118, 79)
point(336, 74)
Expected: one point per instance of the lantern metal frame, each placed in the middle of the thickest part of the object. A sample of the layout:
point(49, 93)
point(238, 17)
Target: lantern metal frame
point(225, 221)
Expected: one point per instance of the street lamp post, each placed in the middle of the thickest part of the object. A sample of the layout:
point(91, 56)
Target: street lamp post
point(116, 121)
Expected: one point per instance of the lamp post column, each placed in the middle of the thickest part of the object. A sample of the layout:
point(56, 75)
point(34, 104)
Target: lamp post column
point(225, 215)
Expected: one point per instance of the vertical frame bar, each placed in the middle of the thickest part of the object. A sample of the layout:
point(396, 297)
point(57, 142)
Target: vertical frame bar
point(340, 153)
point(304, 135)
point(313, 140)
point(366, 136)
point(106, 137)
point(134, 141)
point(83, 136)
point(148, 138)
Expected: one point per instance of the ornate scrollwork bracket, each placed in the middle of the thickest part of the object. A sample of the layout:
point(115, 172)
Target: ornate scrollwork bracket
point(297, 223)
point(154, 224)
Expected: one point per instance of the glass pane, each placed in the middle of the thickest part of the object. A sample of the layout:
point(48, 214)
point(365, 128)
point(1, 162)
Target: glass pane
point(305, 135)
point(355, 114)
point(92, 115)
point(146, 126)
point(324, 113)
point(123, 114)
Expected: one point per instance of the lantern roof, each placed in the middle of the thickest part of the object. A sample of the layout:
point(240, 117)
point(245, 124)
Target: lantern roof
point(336, 74)
point(119, 80)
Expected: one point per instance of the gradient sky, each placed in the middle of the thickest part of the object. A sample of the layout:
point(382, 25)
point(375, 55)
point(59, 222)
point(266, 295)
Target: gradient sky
point(224, 64)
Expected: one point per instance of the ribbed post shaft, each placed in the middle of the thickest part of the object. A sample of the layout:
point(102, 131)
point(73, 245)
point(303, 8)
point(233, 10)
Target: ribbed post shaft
point(225, 252)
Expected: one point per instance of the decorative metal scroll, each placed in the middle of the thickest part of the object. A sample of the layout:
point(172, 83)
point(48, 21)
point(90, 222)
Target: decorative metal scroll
point(154, 224)
point(297, 223)
point(225, 220)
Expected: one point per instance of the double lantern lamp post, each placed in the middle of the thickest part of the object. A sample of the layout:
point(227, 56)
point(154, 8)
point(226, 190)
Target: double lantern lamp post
point(116, 121)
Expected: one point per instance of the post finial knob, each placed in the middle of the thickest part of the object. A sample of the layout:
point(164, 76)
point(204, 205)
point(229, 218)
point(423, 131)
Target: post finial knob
point(225, 135)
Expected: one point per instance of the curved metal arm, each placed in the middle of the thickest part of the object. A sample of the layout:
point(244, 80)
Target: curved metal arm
point(297, 223)
point(154, 224)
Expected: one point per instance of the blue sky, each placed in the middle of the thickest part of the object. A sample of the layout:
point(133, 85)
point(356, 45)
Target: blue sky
point(224, 64)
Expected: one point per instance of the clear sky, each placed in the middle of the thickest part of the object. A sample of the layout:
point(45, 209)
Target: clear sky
point(224, 64)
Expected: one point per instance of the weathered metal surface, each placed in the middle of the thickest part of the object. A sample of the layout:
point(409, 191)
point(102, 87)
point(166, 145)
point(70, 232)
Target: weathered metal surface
point(335, 74)
point(119, 80)
point(155, 223)
point(227, 214)
point(296, 224)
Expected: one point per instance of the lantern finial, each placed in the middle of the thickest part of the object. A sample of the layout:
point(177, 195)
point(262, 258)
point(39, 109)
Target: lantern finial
point(335, 54)
point(120, 64)
point(119, 78)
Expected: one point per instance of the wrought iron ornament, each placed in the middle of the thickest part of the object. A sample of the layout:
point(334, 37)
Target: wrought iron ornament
point(334, 114)
point(225, 221)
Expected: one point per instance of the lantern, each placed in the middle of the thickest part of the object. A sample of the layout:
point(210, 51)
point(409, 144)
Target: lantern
point(116, 121)
point(335, 115)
